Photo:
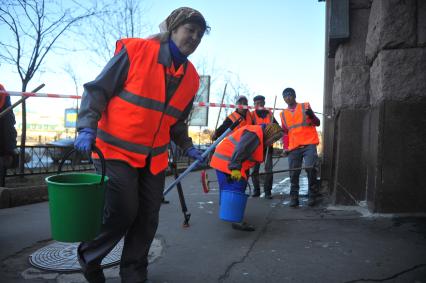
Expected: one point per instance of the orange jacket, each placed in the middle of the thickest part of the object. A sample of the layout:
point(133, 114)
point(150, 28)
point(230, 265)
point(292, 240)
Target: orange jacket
point(234, 116)
point(259, 120)
point(136, 122)
point(300, 131)
point(223, 153)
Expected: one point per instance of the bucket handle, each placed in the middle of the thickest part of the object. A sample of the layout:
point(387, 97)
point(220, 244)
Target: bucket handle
point(95, 149)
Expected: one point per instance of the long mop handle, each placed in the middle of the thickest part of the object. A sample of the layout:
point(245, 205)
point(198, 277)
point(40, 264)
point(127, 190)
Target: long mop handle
point(204, 155)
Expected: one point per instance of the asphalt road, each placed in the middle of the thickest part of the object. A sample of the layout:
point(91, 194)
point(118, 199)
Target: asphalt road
point(321, 244)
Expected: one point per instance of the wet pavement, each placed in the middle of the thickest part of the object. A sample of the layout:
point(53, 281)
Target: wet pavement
point(321, 244)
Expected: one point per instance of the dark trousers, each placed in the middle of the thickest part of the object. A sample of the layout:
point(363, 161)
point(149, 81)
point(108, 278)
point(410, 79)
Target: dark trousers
point(308, 155)
point(2, 172)
point(267, 186)
point(132, 204)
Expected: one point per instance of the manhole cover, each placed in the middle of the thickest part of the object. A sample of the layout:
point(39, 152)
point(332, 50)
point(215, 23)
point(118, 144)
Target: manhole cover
point(63, 257)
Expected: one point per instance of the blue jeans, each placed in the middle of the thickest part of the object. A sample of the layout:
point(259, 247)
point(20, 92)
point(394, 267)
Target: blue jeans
point(309, 155)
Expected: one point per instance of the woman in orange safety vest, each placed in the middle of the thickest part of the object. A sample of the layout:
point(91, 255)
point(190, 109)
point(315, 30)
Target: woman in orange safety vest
point(239, 152)
point(133, 109)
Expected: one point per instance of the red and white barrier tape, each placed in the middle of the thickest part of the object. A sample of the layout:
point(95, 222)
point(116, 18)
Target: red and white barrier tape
point(18, 93)
point(212, 104)
point(196, 104)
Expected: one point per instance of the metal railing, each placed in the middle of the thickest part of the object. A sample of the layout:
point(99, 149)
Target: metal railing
point(44, 159)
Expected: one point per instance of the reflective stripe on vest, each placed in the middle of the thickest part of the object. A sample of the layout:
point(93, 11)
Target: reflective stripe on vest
point(300, 132)
point(223, 153)
point(136, 122)
point(132, 147)
point(150, 104)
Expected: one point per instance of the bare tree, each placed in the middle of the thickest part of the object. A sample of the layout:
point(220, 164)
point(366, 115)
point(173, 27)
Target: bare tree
point(70, 71)
point(121, 19)
point(34, 28)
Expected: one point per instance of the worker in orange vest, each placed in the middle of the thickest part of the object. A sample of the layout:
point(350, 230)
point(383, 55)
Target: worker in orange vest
point(300, 144)
point(8, 156)
point(239, 152)
point(262, 116)
point(234, 116)
point(138, 103)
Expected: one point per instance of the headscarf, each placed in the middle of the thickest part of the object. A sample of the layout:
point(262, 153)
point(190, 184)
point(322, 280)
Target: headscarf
point(179, 17)
point(182, 16)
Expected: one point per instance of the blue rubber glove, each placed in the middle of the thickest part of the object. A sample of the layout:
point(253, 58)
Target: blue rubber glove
point(85, 140)
point(194, 154)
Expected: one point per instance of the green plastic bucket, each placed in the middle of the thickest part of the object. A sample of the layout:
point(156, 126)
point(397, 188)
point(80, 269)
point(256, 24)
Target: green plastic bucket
point(76, 202)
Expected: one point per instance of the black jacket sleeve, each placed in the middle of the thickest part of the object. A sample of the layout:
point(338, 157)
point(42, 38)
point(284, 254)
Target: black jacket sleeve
point(97, 93)
point(179, 131)
point(7, 130)
point(244, 149)
point(219, 131)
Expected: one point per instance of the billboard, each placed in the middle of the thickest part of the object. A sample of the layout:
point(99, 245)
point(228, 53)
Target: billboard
point(199, 115)
point(70, 117)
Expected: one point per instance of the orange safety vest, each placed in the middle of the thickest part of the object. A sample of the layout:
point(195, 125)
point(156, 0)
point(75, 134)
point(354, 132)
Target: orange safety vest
point(136, 122)
point(2, 97)
point(223, 153)
point(300, 132)
point(234, 116)
point(258, 120)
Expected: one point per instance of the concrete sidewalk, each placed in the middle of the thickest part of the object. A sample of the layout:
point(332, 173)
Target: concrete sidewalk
point(321, 244)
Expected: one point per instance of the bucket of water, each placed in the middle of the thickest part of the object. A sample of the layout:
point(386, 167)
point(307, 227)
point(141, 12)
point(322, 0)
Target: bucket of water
point(76, 203)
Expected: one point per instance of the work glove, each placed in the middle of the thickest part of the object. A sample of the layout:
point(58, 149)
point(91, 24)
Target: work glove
point(85, 140)
point(194, 154)
point(310, 113)
point(236, 175)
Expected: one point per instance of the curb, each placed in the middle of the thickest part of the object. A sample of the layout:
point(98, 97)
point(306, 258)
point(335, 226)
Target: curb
point(11, 197)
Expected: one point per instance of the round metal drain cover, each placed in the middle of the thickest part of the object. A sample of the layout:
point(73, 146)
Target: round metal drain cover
point(63, 257)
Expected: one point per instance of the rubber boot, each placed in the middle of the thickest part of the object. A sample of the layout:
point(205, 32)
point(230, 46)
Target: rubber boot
point(294, 200)
point(268, 195)
point(243, 226)
point(92, 273)
point(311, 200)
point(256, 193)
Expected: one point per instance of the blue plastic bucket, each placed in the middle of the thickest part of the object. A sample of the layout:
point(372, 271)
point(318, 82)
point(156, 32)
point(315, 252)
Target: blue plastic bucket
point(232, 205)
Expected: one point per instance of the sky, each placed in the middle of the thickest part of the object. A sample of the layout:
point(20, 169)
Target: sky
point(265, 45)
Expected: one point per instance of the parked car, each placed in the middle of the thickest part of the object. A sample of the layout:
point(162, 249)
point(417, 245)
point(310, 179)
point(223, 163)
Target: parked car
point(62, 147)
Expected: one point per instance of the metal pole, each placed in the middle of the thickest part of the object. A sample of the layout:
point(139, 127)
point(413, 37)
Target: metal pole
point(186, 214)
point(272, 121)
point(281, 171)
point(220, 109)
point(19, 101)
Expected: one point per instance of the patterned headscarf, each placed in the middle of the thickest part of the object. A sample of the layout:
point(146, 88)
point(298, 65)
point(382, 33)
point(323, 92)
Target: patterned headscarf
point(181, 16)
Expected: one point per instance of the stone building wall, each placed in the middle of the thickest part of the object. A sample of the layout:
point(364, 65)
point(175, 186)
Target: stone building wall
point(378, 96)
